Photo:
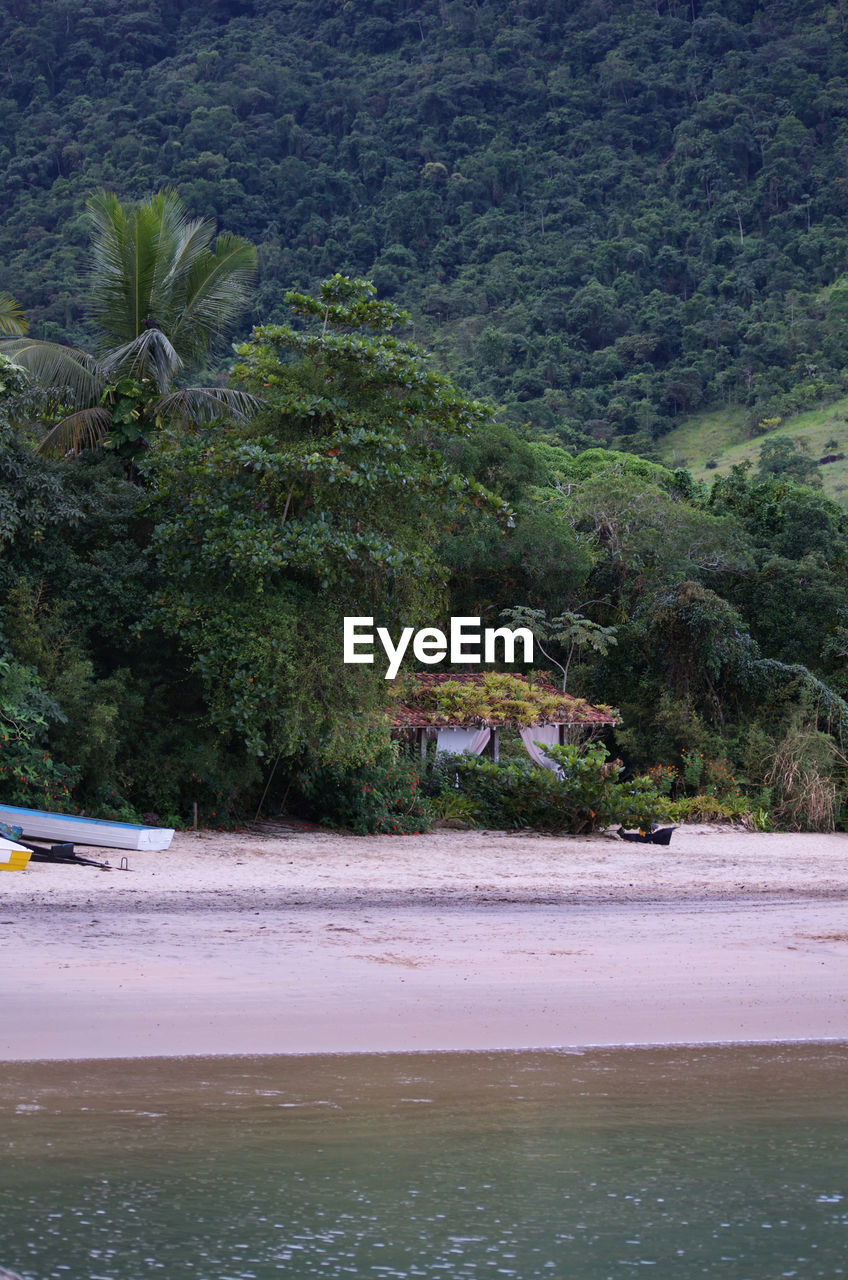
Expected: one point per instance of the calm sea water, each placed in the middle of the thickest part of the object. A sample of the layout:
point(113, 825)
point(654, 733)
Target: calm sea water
point(725, 1162)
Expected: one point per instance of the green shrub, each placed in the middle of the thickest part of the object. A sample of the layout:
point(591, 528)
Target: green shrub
point(707, 808)
point(107, 802)
point(506, 795)
point(451, 804)
point(378, 794)
point(638, 803)
point(584, 797)
point(29, 776)
point(31, 779)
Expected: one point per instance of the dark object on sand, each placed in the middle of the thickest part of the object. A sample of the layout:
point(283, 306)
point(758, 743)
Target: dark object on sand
point(657, 835)
point(64, 853)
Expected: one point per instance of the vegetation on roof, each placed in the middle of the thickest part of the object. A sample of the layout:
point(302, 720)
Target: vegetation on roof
point(491, 698)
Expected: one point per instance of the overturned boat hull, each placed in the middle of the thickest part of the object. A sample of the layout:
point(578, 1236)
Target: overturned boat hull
point(39, 824)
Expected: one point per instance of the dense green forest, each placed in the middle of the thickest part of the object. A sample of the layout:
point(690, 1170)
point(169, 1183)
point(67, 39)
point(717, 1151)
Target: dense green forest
point(601, 215)
point(172, 632)
point(598, 217)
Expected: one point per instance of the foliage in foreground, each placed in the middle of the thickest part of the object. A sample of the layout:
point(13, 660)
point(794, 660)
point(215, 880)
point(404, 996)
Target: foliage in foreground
point(376, 794)
point(586, 795)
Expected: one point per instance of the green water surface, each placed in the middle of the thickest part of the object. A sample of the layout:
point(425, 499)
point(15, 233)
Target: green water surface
point(725, 1162)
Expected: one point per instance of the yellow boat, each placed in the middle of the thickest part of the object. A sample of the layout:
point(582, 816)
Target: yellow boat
point(13, 857)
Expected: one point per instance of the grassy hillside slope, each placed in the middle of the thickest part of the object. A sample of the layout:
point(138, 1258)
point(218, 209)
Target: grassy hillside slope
point(721, 439)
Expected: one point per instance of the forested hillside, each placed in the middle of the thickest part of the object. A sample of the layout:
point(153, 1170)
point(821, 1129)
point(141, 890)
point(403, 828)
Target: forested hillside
point(601, 215)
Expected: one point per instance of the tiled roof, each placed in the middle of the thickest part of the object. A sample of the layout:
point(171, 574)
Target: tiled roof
point(403, 712)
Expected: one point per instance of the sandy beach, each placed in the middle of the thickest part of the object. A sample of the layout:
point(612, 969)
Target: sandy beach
point(280, 940)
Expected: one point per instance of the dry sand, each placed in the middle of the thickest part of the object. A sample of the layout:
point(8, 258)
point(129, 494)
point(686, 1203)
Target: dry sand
point(283, 940)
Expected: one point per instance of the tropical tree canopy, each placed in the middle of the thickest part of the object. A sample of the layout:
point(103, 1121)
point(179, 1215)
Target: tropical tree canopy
point(326, 504)
point(163, 291)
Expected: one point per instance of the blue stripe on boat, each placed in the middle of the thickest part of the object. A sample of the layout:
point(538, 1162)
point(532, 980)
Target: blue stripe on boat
point(73, 817)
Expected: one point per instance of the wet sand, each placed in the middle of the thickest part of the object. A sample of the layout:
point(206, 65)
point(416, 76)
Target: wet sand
point(279, 941)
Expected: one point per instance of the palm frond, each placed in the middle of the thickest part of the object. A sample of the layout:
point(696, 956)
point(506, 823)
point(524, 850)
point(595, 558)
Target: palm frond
point(185, 237)
point(83, 430)
point(60, 368)
point(108, 300)
point(12, 318)
point(125, 252)
point(150, 355)
point(196, 238)
point(205, 404)
point(181, 239)
point(216, 290)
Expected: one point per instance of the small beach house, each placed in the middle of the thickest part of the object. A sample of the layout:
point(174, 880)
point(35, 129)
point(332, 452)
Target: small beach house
point(466, 712)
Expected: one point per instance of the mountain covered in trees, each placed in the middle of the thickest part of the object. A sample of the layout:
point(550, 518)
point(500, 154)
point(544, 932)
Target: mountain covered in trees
point(601, 215)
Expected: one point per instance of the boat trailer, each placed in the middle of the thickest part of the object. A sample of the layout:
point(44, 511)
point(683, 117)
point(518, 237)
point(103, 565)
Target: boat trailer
point(64, 853)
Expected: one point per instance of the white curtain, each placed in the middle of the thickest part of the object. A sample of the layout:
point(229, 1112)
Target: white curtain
point(459, 741)
point(545, 733)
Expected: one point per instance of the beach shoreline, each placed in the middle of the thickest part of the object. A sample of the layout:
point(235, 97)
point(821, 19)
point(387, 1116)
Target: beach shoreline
point(282, 940)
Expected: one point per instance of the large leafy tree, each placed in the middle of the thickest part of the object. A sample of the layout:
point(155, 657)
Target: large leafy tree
point(163, 290)
point(328, 503)
point(796, 599)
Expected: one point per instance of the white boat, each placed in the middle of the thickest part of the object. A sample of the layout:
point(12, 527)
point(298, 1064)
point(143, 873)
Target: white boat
point(66, 828)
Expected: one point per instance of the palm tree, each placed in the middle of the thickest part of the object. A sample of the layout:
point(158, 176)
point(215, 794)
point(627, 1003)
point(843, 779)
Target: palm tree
point(161, 295)
point(11, 317)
